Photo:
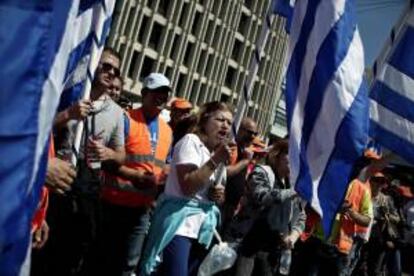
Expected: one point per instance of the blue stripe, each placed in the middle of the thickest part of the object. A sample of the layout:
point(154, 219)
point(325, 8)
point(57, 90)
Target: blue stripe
point(351, 139)
point(392, 100)
point(331, 54)
point(296, 62)
point(78, 53)
point(392, 141)
point(70, 96)
point(403, 55)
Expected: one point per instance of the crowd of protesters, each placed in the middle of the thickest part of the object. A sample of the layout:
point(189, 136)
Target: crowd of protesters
point(144, 197)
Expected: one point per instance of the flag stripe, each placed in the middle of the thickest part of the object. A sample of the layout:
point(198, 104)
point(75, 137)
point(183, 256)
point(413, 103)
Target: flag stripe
point(397, 81)
point(392, 100)
point(341, 161)
point(328, 60)
point(403, 56)
point(391, 122)
point(390, 140)
point(334, 109)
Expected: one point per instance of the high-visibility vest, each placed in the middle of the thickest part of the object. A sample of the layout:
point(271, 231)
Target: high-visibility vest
point(139, 156)
point(348, 228)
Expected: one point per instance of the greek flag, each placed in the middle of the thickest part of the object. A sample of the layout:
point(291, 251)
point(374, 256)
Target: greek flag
point(327, 102)
point(39, 49)
point(392, 93)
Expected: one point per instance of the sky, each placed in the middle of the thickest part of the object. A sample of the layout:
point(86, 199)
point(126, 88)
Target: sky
point(376, 19)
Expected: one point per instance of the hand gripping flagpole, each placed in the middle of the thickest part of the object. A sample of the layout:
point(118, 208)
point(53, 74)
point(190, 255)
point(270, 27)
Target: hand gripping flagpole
point(101, 13)
point(249, 83)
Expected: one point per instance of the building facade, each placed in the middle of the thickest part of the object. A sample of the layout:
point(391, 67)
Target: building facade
point(204, 47)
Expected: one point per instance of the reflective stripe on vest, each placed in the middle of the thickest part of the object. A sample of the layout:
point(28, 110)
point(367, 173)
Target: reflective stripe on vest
point(145, 158)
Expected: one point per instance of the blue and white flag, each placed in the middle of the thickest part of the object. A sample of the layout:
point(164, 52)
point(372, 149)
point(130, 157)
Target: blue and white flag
point(392, 93)
point(327, 102)
point(39, 39)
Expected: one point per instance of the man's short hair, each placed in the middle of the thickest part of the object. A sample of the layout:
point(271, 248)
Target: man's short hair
point(113, 52)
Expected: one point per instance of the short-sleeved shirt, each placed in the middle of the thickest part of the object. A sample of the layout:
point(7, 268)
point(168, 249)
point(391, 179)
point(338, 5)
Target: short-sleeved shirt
point(108, 120)
point(189, 151)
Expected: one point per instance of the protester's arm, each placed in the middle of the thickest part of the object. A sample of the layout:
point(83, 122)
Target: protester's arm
point(193, 178)
point(258, 183)
point(78, 111)
point(360, 219)
point(138, 178)
point(104, 153)
point(392, 216)
point(237, 168)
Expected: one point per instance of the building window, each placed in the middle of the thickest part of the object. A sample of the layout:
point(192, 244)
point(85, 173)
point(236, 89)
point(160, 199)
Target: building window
point(243, 24)
point(155, 36)
point(248, 4)
point(175, 47)
point(184, 14)
point(224, 98)
point(147, 66)
point(133, 64)
point(196, 23)
point(188, 54)
point(229, 76)
point(163, 7)
point(142, 29)
point(179, 90)
point(237, 49)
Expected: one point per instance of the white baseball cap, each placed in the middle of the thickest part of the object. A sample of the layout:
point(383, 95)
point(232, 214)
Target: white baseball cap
point(156, 80)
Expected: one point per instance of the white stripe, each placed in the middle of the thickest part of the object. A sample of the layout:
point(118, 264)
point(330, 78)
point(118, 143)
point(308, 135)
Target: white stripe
point(338, 99)
point(397, 81)
point(331, 13)
point(392, 122)
point(299, 13)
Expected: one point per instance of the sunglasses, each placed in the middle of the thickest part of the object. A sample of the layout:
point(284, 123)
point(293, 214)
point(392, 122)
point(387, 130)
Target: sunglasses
point(251, 132)
point(381, 180)
point(108, 67)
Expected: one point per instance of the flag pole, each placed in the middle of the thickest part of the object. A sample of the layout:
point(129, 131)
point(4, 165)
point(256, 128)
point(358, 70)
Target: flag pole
point(100, 34)
point(244, 99)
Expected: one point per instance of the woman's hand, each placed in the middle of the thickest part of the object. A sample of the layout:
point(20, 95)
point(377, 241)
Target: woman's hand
point(222, 153)
point(216, 193)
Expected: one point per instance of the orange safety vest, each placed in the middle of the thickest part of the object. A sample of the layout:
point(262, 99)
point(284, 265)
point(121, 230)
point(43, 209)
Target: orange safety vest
point(348, 228)
point(139, 156)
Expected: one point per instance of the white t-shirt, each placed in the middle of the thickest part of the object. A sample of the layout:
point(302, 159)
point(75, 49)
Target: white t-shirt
point(190, 151)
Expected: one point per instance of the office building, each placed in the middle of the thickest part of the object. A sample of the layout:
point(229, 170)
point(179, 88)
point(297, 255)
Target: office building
point(204, 47)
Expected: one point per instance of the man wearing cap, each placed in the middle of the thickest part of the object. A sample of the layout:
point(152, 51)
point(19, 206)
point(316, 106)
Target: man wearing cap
point(180, 113)
point(129, 193)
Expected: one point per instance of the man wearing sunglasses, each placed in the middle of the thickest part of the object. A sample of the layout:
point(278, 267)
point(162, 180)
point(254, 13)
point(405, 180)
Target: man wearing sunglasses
point(238, 169)
point(75, 216)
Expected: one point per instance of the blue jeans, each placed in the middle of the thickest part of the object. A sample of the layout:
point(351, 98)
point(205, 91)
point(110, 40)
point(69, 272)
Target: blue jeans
point(123, 234)
point(182, 256)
